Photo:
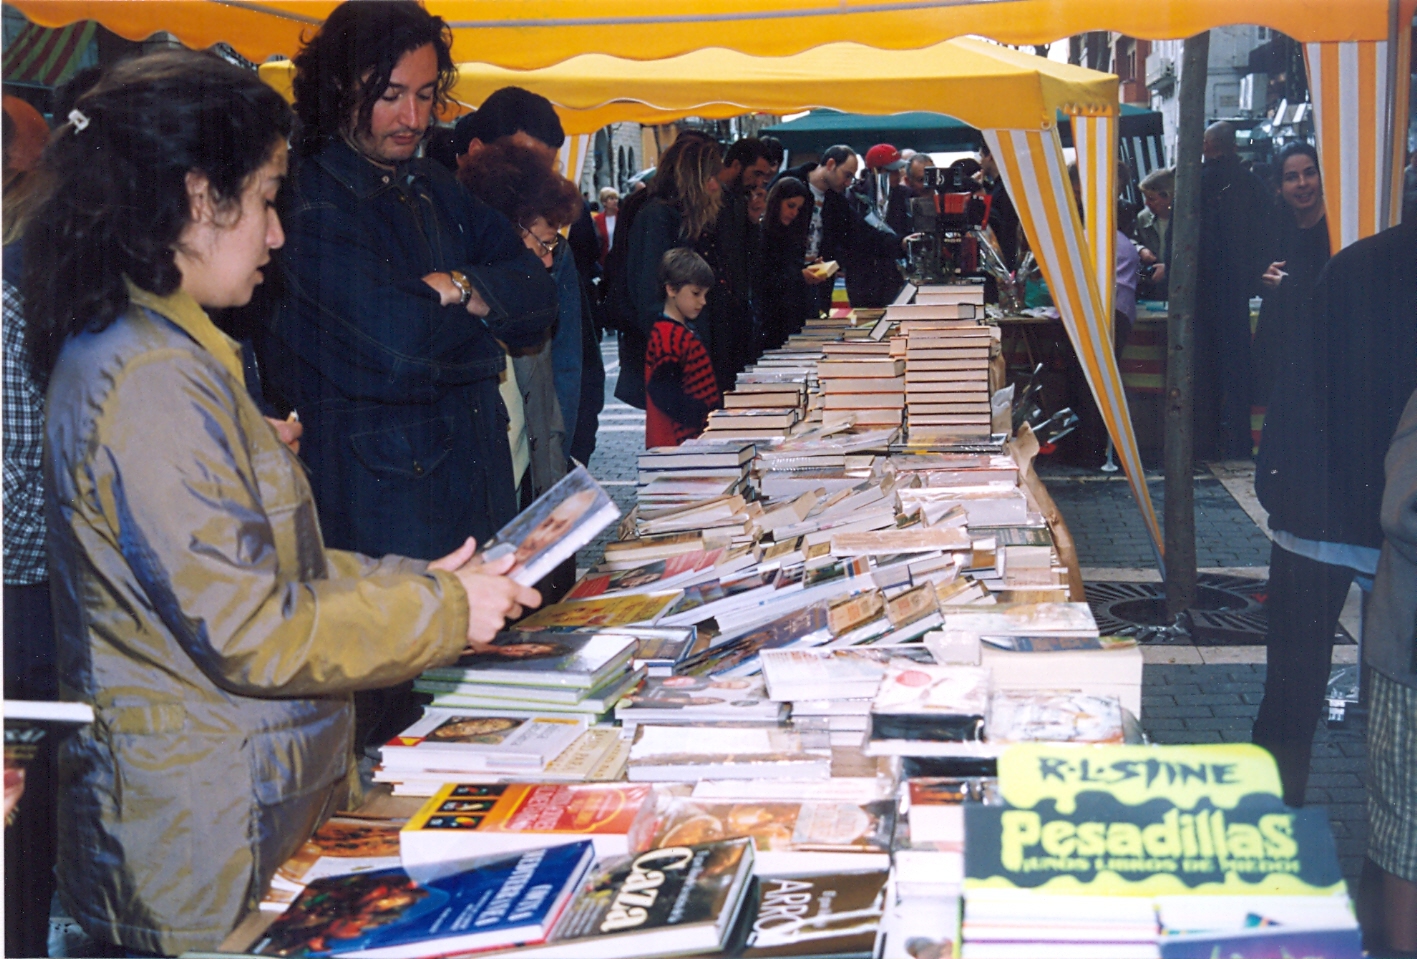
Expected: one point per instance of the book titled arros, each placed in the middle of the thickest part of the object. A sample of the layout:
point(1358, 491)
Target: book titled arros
point(561, 521)
point(387, 914)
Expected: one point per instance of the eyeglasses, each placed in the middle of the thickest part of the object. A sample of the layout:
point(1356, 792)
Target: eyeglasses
point(547, 246)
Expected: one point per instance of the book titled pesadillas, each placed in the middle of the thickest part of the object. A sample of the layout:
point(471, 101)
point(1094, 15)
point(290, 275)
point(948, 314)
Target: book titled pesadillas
point(463, 820)
point(674, 901)
point(389, 914)
point(550, 530)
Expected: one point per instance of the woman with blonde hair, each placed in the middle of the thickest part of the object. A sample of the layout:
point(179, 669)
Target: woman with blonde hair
point(683, 203)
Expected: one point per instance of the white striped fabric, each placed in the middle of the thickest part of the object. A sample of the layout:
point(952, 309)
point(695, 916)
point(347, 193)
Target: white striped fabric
point(1035, 174)
point(572, 156)
point(1361, 120)
point(1095, 140)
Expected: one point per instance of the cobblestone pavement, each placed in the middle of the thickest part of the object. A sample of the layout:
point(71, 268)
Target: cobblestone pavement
point(1108, 528)
point(1180, 703)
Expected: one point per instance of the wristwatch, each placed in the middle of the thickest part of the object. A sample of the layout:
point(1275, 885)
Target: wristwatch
point(464, 287)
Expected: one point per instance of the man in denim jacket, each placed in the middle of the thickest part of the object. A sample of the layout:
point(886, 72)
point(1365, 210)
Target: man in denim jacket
point(398, 287)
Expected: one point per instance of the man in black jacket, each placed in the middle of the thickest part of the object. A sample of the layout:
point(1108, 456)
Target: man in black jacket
point(1345, 373)
point(728, 317)
point(399, 289)
point(837, 231)
point(1234, 221)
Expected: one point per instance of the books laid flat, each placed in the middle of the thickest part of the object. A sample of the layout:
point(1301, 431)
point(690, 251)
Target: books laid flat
point(597, 755)
point(659, 650)
point(844, 674)
point(549, 531)
point(917, 701)
point(1025, 619)
point(817, 915)
point(680, 900)
point(705, 455)
point(521, 658)
point(688, 754)
point(676, 700)
point(530, 701)
point(465, 820)
point(791, 838)
point(450, 740)
point(338, 848)
point(605, 612)
point(655, 575)
point(387, 914)
point(1019, 716)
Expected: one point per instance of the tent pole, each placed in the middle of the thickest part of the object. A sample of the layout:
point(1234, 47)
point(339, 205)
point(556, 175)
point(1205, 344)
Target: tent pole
point(1180, 330)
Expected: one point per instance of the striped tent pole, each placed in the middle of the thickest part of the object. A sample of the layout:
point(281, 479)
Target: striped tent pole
point(572, 157)
point(1095, 141)
point(1360, 117)
point(1035, 174)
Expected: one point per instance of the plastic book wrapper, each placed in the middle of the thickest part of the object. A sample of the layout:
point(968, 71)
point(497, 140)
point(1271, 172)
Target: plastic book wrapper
point(550, 530)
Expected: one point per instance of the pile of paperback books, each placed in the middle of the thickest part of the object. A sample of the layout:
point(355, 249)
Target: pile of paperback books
point(828, 693)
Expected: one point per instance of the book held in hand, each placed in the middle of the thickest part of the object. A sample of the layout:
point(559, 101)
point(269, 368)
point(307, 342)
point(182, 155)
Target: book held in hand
point(550, 530)
point(390, 914)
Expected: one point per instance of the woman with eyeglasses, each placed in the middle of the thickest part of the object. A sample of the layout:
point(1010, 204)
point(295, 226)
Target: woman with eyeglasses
point(515, 180)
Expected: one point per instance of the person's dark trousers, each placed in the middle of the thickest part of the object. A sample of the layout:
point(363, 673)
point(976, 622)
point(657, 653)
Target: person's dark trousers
point(1222, 380)
point(1305, 600)
point(30, 840)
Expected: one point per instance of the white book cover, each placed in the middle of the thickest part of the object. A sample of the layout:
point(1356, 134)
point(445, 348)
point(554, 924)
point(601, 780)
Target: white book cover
point(562, 520)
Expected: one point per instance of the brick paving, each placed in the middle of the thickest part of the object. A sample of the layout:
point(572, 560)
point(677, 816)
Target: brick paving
point(1108, 528)
point(1180, 703)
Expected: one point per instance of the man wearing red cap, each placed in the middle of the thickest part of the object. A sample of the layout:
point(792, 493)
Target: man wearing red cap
point(875, 281)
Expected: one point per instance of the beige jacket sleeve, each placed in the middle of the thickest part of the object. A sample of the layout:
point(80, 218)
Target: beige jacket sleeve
point(218, 528)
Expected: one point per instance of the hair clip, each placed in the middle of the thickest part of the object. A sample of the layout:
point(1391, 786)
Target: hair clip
point(79, 121)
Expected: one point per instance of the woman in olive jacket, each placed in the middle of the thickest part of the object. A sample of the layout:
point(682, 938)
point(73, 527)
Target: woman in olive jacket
point(196, 607)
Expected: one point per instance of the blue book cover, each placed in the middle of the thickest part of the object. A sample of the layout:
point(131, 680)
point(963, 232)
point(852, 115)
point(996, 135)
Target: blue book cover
point(503, 901)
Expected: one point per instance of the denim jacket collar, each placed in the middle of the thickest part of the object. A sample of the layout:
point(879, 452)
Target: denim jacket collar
point(363, 177)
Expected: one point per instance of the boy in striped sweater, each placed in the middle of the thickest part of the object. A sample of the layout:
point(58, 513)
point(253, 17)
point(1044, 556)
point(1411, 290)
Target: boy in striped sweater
point(679, 383)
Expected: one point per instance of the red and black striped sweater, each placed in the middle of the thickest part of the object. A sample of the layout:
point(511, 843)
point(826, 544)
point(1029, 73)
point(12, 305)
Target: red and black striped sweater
point(680, 388)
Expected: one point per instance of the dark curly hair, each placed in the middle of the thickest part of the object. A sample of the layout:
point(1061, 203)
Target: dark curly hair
point(515, 181)
point(363, 37)
point(117, 200)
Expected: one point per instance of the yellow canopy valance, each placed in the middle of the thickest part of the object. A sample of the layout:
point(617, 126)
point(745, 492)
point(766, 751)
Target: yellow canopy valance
point(980, 83)
point(524, 35)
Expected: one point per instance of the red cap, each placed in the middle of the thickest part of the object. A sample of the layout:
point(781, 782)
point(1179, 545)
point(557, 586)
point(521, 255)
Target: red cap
point(883, 156)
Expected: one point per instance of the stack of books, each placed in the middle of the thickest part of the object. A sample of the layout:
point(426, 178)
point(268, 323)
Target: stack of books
point(863, 386)
point(750, 423)
point(1032, 647)
point(668, 469)
point(833, 687)
point(947, 376)
point(1200, 858)
point(448, 745)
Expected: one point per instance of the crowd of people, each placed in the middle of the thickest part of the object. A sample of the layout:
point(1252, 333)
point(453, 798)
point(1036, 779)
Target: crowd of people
point(271, 375)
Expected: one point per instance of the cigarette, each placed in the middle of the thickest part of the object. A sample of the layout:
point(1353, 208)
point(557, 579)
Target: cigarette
point(294, 417)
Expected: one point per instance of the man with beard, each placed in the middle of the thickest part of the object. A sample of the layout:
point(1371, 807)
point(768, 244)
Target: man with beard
point(398, 286)
point(728, 317)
